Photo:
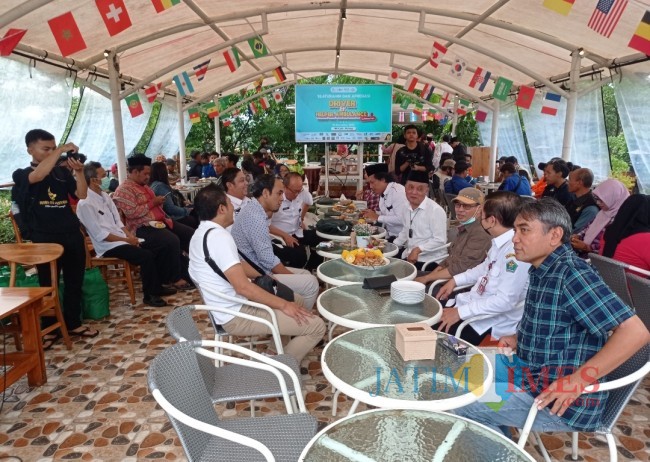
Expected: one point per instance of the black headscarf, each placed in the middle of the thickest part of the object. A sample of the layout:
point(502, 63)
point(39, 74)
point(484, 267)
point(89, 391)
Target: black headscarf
point(632, 218)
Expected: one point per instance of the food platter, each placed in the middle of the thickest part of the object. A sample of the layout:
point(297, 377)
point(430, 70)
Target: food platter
point(367, 259)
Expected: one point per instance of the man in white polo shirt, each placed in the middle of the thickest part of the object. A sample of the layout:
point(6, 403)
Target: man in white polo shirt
point(234, 183)
point(215, 211)
point(392, 203)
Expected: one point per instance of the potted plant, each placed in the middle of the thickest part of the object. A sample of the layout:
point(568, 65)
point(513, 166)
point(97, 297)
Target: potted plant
point(363, 233)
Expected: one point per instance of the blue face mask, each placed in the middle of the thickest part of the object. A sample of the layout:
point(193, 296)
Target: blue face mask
point(105, 182)
point(468, 222)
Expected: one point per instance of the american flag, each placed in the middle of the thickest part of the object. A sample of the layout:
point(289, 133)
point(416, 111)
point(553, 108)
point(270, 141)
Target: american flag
point(606, 16)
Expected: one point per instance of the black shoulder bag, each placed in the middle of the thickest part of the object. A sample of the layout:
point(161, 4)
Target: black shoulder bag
point(264, 281)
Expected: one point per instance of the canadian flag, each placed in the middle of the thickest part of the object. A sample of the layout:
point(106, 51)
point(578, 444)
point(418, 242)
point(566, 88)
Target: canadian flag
point(394, 75)
point(437, 52)
point(114, 14)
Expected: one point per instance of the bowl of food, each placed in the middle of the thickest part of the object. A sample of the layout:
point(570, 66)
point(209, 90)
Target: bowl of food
point(157, 224)
point(365, 258)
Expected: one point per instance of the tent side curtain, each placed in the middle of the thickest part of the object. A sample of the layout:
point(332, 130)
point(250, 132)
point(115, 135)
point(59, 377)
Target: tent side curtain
point(545, 133)
point(32, 97)
point(632, 96)
point(510, 138)
point(165, 136)
point(93, 129)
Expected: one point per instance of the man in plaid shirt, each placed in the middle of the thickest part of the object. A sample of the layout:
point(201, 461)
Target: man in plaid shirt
point(562, 342)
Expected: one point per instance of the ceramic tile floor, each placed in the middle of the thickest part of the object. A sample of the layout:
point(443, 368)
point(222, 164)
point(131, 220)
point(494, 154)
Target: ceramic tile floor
point(96, 405)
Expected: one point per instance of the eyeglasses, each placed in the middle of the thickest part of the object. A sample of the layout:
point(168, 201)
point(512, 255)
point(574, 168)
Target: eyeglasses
point(294, 191)
point(460, 205)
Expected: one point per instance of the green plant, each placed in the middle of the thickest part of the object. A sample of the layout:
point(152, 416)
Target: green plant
point(624, 177)
point(363, 229)
point(6, 230)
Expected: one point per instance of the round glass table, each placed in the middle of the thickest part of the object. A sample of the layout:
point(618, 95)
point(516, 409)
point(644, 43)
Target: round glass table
point(409, 435)
point(356, 308)
point(389, 250)
point(365, 365)
point(339, 273)
point(380, 233)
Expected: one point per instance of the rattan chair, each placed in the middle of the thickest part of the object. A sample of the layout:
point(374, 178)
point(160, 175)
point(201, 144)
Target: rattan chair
point(177, 385)
point(640, 292)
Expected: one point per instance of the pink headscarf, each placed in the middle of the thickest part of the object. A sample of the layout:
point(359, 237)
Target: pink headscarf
point(612, 193)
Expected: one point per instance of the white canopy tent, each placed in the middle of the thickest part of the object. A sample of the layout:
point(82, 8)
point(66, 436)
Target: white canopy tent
point(520, 40)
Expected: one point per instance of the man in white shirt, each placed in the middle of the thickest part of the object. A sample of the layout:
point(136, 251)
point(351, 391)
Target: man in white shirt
point(442, 148)
point(500, 282)
point(111, 238)
point(392, 203)
point(424, 224)
point(234, 183)
point(215, 211)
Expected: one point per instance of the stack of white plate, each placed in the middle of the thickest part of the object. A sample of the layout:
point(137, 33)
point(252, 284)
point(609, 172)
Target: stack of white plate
point(407, 292)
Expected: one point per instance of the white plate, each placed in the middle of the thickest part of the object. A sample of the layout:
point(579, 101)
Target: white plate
point(386, 262)
point(408, 286)
point(157, 224)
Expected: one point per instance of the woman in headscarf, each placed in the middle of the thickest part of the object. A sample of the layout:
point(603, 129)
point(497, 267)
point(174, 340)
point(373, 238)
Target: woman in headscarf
point(627, 239)
point(609, 195)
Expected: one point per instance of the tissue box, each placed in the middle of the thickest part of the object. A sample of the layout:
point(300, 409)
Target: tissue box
point(415, 341)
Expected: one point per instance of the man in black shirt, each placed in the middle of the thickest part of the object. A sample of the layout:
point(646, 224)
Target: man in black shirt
point(459, 152)
point(413, 156)
point(556, 172)
point(46, 186)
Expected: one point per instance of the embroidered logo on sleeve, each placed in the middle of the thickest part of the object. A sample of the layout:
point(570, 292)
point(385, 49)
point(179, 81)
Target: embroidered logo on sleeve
point(511, 266)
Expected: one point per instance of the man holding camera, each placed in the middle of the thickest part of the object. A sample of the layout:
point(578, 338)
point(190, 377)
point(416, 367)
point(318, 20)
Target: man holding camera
point(42, 192)
point(413, 156)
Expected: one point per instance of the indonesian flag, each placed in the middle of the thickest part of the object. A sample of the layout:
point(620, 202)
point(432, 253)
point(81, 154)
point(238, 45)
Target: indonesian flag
point(411, 83)
point(264, 102)
point(480, 78)
point(277, 96)
point(551, 103)
point(11, 40)
point(67, 34)
point(445, 99)
point(525, 98)
point(393, 76)
point(232, 59)
point(201, 69)
point(437, 52)
point(152, 91)
point(427, 91)
point(115, 16)
point(134, 105)
point(481, 114)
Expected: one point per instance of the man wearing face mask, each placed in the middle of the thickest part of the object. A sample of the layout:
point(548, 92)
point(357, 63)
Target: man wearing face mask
point(500, 281)
point(472, 242)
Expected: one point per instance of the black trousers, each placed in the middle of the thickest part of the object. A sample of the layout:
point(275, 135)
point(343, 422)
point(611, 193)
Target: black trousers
point(143, 258)
point(295, 257)
point(468, 334)
point(311, 239)
point(166, 246)
point(73, 264)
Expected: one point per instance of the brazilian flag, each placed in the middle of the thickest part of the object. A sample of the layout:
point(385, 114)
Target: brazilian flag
point(258, 47)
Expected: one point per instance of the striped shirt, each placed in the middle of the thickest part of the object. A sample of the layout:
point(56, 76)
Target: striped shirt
point(568, 313)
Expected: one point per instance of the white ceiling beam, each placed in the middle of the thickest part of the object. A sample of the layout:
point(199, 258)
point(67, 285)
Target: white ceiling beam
point(21, 10)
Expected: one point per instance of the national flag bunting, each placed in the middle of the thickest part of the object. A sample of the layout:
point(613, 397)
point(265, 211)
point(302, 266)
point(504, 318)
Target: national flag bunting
point(481, 114)
point(463, 106)
point(480, 78)
point(264, 103)
point(152, 92)
point(10, 40)
point(183, 83)
point(525, 98)
point(278, 73)
point(195, 115)
point(400, 116)
point(393, 76)
point(427, 91)
point(115, 15)
point(551, 103)
point(641, 39)
point(258, 84)
point(252, 109)
point(201, 69)
point(232, 59)
point(133, 103)
point(502, 88)
point(458, 67)
point(418, 108)
point(445, 99)
point(211, 109)
point(405, 103)
point(227, 122)
point(411, 83)
point(606, 16)
point(162, 5)
point(437, 52)
point(277, 96)
point(258, 47)
point(66, 33)
point(435, 98)
point(560, 6)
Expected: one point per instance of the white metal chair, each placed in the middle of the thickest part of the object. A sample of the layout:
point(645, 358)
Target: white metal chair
point(446, 246)
point(621, 384)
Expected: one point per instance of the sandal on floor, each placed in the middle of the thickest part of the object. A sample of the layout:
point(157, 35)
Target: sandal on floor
point(186, 286)
point(49, 340)
point(84, 332)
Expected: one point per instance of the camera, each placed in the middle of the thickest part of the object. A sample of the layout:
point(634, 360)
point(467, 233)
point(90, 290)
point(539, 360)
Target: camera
point(412, 158)
point(72, 155)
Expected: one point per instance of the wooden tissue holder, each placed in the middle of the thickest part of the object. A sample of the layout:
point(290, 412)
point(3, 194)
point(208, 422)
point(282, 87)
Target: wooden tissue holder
point(415, 341)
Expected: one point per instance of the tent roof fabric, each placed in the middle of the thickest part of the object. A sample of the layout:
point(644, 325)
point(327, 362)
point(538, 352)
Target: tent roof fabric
point(517, 39)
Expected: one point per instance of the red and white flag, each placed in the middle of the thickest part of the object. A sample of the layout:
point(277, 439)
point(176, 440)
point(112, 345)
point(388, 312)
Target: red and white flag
point(67, 34)
point(437, 52)
point(232, 59)
point(525, 97)
point(152, 91)
point(264, 102)
point(458, 67)
point(411, 83)
point(277, 96)
point(11, 40)
point(445, 99)
point(480, 78)
point(114, 14)
point(393, 76)
point(606, 16)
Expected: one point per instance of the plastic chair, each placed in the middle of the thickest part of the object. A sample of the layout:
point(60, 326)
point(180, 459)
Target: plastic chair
point(622, 382)
point(427, 263)
point(232, 382)
point(613, 273)
point(38, 254)
point(640, 292)
point(177, 385)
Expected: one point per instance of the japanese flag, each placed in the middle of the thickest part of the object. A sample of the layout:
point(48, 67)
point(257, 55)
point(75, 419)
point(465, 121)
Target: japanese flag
point(394, 75)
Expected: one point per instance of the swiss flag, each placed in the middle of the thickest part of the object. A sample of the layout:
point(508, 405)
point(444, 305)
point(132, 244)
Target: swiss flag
point(114, 14)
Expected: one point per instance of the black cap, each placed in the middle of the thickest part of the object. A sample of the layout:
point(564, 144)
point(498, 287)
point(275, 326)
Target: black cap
point(418, 177)
point(542, 165)
point(462, 166)
point(137, 161)
point(376, 168)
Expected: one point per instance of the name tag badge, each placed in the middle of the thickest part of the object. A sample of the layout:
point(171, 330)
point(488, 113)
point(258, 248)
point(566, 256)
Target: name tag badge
point(286, 208)
point(481, 286)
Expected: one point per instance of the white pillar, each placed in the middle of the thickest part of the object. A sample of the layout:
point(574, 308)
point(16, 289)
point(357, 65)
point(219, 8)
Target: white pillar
point(572, 105)
point(495, 136)
point(306, 157)
point(380, 159)
point(114, 86)
point(217, 130)
point(181, 137)
point(327, 170)
point(360, 167)
point(455, 118)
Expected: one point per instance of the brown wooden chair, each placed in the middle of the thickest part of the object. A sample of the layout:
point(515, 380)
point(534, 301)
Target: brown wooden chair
point(120, 271)
point(37, 254)
point(19, 237)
